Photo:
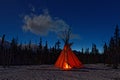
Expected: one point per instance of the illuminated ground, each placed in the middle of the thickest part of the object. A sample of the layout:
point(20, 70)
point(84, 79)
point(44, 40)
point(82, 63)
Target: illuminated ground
point(49, 72)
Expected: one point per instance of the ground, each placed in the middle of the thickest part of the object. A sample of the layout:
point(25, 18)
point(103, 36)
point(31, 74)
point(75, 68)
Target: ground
point(50, 72)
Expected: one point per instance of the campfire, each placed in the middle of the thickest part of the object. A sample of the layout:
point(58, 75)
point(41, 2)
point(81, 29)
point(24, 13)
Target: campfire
point(66, 66)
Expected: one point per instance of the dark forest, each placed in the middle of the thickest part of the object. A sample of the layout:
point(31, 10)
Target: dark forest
point(12, 53)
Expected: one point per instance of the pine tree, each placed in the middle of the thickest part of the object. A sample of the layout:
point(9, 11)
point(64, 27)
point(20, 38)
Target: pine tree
point(87, 51)
point(40, 44)
point(57, 45)
point(3, 54)
point(94, 49)
point(111, 51)
point(46, 53)
point(39, 54)
point(105, 53)
point(13, 51)
point(46, 46)
point(29, 45)
point(82, 50)
point(116, 36)
point(116, 48)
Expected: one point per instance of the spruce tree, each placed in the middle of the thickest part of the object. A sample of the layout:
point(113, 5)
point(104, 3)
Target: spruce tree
point(105, 53)
point(116, 48)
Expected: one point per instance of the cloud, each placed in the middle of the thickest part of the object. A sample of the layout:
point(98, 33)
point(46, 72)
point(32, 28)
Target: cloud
point(43, 24)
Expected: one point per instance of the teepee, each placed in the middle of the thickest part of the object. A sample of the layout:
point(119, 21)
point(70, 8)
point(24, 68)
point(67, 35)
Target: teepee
point(67, 59)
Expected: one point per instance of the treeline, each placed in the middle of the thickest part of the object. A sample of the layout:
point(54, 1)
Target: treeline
point(29, 54)
point(20, 54)
point(110, 55)
point(90, 57)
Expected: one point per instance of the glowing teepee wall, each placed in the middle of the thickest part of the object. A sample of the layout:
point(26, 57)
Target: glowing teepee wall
point(68, 59)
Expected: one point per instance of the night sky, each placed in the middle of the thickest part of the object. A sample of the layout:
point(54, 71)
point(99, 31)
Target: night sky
point(91, 21)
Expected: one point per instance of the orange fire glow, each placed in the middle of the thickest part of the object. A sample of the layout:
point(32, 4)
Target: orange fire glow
point(66, 66)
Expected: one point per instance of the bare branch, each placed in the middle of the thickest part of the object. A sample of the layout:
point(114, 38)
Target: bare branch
point(65, 35)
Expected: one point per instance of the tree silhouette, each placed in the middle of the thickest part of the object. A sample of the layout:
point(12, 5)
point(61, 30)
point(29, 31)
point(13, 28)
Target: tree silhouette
point(116, 36)
point(95, 53)
point(40, 44)
point(112, 50)
point(57, 44)
point(13, 51)
point(94, 49)
point(82, 50)
point(46, 53)
point(40, 52)
point(65, 36)
point(116, 48)
point(3, 54)
point(105, 53)
point(46, 46)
